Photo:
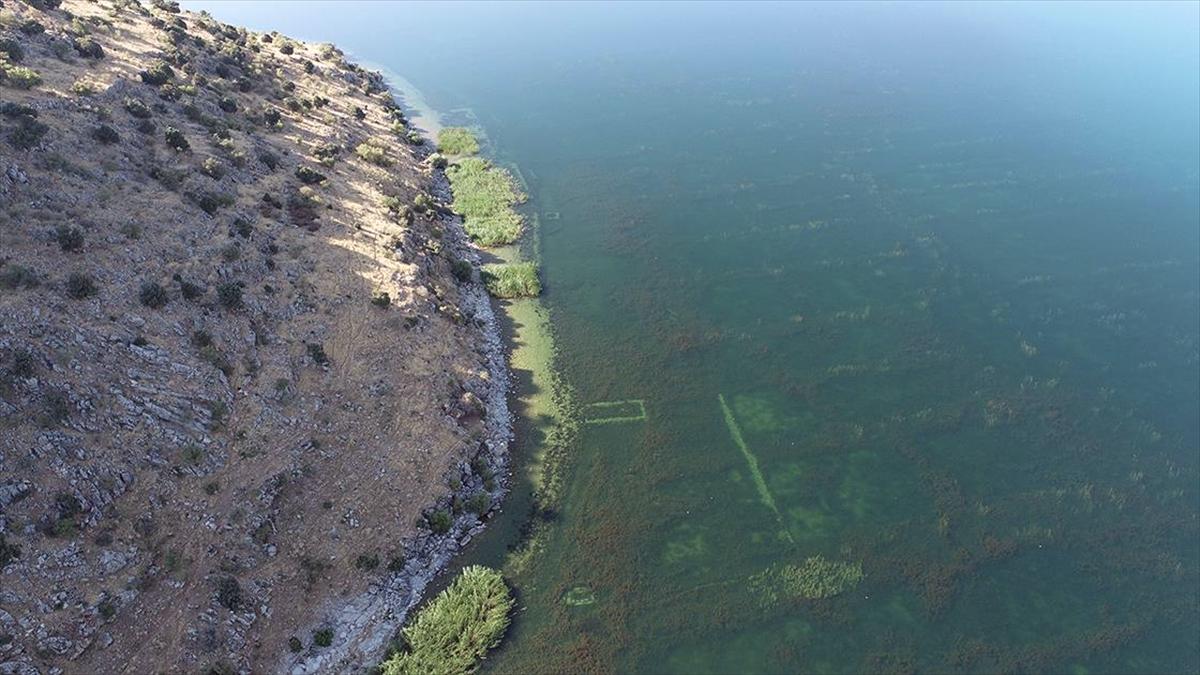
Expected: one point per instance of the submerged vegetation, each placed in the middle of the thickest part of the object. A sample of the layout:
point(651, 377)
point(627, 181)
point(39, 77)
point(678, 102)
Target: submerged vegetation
point(485, 195)
point(512, 280)
point(457, 141)
point(814, 579)
point(456, 629)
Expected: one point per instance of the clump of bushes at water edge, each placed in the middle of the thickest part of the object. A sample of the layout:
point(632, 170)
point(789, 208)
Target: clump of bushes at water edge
point(456, 630)
point(512, 280)
point(484, 195)
point(457, 141)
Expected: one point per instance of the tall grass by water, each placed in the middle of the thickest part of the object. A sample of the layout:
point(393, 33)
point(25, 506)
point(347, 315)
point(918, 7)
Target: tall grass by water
point(453, 633)
point(457, 141)
point(485, 195)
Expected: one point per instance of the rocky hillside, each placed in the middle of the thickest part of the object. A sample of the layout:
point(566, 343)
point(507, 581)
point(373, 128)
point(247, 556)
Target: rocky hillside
point(243, 350)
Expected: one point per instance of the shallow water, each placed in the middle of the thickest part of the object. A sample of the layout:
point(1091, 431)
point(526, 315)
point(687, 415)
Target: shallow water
point(913, 288)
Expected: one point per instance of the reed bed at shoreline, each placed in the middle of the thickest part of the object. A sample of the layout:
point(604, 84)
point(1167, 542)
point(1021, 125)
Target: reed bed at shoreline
point(512, 280)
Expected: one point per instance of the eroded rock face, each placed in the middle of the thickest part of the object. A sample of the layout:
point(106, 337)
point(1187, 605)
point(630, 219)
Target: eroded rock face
point(211, 440)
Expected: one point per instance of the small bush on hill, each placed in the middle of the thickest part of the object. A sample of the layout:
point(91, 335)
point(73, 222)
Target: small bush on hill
point(229, 294)
point(309, 176)
point(229, 593)
point(176, 140)
point(18, 77)
point(326, 153)
point(317, 353)
point(374, 152)
point(152, 295)
point(106, 134)
point(69, 239)
point(461, 269)
point(80, 286)
point(27, 134)
point(88, 48)
point(189, 290)
point(323, 637)
point(136, 108)
point(158, 74)
point(210, 202)
point(439, 521)
point(11, 48)
point(212, 168)
point(83, 87)
point(18, 276)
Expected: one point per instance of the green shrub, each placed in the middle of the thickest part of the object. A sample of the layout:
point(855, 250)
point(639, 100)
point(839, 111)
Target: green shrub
point(437, 160)
point(294, 644)
point(367, 561)
point(136, 108)
point(70, 239)
point(484, 195)
point(8, 552)
point(27, 134)
point(158, 74)
point(439, 521)
point(457, 141)
point(32, 27)
point(381, 300)
point(106, 134)
point(326, 153)
point(176, 140)
point(323, 637)
point(229, 294)
point(210, 202)
point(375, 152)
point(269, 159)
point(189, 290)
point(212, 168)
point(228, 104)
point(106, 609)
point(454, 632)
point(152, 295)
point(309, 176)
point(479, 503)
point(461, 269)
point(18, 276)
point(423, 203)
point(317, 353)
point(87, 47)
point(83, 87)
point(229, 593)
point(11, 48)
point(17, 110)
point(511, 280)
point(19, 77)
point(80, 286)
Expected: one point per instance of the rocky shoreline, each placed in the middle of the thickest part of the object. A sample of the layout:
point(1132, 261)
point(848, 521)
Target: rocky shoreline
point(364, 626)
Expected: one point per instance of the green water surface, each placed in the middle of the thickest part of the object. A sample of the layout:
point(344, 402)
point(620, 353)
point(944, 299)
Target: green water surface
point(909, 288)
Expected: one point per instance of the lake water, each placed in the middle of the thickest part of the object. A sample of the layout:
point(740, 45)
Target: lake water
point(882, 322)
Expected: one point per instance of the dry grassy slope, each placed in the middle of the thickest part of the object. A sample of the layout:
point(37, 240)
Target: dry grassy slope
point(136, 477)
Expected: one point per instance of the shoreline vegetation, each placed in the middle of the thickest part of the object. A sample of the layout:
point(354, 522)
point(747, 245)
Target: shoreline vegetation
point(458, 627)
point(453, 632)
point(485, 195)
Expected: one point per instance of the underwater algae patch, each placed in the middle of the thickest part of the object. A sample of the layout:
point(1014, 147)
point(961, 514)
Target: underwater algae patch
point(608, 412)
point(814, 579)
point(760, 483)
